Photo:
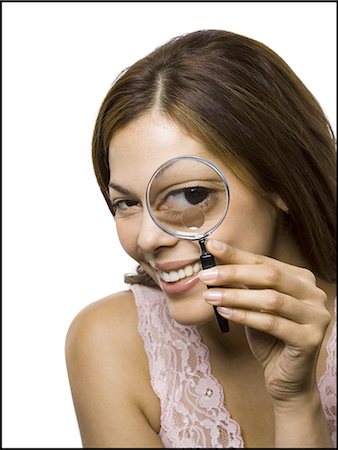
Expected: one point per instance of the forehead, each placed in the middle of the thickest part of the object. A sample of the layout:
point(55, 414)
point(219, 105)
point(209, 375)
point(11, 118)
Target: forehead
point(136, 151)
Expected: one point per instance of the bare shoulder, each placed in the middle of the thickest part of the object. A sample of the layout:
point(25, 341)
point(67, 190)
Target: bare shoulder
point(104, 334)
point(109, 375)
point(106, 321)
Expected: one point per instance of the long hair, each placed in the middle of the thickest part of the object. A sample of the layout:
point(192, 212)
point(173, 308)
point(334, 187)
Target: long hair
point(244, 103)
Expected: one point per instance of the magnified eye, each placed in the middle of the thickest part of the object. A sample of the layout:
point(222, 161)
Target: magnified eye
point(183, 198)
point(196, 195)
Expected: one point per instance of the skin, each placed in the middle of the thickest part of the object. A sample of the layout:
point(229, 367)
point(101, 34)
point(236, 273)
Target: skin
point(279, 313)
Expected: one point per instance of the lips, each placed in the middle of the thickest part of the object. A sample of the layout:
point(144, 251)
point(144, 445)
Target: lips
point(172, 265)
point(178, 276)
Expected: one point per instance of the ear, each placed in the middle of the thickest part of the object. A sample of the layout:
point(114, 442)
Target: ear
point(279, 203)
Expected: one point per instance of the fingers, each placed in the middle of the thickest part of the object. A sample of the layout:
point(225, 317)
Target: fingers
point(280, 328)
point(264, 300)
point(227, 254)
point(308, 335)
point(259, 276)
point(280, 299)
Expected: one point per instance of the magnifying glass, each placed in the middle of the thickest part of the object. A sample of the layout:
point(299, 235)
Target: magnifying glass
point(188, 197)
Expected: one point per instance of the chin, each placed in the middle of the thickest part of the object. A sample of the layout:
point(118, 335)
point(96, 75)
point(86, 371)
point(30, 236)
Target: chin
point(191, 310)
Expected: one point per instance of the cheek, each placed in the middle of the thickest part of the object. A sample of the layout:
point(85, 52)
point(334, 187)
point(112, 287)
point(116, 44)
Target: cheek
point(128, 234)
point(249, 226)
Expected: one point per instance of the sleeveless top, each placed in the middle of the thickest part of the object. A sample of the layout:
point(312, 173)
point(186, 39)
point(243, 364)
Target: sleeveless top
point(193, 413)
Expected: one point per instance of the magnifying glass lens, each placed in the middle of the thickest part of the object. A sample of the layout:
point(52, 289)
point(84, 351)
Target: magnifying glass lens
point(188, 197)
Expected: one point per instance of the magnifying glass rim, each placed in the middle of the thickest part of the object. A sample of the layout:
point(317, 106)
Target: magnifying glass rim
point(179, 235)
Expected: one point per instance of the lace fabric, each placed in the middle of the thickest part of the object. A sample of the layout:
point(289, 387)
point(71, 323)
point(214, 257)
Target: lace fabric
point(326, 385)
point(193, 414)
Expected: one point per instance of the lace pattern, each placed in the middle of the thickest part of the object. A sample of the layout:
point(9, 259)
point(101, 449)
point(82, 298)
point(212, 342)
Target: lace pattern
point(328, 394)
point(193, 414)
point(192, 411)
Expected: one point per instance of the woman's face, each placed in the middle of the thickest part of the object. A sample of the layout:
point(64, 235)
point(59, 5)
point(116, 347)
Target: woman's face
point(135, 152)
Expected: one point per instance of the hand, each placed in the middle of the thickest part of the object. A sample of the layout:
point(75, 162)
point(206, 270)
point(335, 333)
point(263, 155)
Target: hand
point(283, 312)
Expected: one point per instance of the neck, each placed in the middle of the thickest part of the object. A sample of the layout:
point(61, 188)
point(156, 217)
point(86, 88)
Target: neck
point(233, 342)
point(287, 250)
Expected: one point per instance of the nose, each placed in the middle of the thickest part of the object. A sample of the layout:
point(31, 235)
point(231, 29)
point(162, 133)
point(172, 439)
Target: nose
point(151, 237)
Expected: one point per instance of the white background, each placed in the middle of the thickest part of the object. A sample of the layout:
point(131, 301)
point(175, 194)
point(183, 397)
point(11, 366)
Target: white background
point(60, 250)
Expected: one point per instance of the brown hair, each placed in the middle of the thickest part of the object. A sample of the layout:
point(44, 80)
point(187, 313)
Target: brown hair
point(244, 103)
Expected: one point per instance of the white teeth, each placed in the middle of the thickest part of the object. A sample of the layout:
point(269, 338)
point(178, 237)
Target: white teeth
point(196, 267)
point(188, 271)
point(175, 275)
point(165, 276)
point(181, 274)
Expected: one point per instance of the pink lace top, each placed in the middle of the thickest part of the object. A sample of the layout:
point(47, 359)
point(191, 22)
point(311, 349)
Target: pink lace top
point(193, 414)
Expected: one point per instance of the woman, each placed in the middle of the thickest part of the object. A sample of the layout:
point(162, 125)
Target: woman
point(148, 367)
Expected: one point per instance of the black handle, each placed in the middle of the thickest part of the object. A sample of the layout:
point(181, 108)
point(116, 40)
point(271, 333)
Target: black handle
point(207, 261)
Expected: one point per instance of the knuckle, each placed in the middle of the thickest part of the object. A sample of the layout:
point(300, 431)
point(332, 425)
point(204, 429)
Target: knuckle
point(307, 275)
point(235, 297)
point(271, 323)
point(316, 334)
point(272, 275)
point(232, 253)
point(258, 259)
point(315, 338)
point(241, 316)
point(275, 301)
point(322, 296)
point(326, 318)
point(228, 272)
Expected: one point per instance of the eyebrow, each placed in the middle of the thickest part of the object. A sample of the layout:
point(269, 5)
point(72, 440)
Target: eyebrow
point(119, 188)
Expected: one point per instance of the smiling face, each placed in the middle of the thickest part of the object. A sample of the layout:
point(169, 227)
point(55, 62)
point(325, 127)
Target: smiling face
point(135, 153)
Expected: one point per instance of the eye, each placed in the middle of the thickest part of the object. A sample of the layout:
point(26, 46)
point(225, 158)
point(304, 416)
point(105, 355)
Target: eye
point(195, 195)
point(183, 198)
point(123, 207)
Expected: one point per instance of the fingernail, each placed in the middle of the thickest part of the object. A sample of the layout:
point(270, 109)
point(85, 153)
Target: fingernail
point(213, 296)
point(217, 245)
point(225, 311)
point(209, 274)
